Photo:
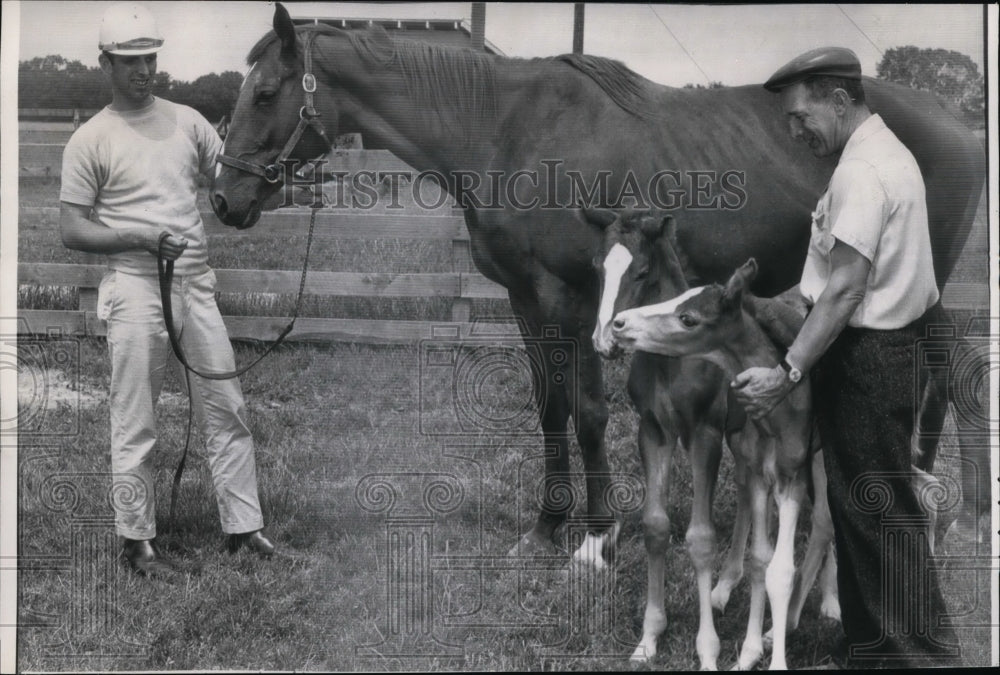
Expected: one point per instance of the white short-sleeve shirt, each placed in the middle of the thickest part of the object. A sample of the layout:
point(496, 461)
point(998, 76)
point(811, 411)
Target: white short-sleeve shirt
point(140, 169)
point(876, 204)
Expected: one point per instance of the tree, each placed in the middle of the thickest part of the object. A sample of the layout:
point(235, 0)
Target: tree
point(711, 85)
point(53, 82)
point(212, 95)
point(952, 76)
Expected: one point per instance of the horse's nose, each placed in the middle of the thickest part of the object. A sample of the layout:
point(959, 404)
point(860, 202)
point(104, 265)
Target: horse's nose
point(219, 205)
point(618, 323)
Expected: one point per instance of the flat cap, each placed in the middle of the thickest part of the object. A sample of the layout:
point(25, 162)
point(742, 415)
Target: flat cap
point(832, 61)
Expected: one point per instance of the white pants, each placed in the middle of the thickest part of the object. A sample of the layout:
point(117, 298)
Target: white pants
point(140, 350)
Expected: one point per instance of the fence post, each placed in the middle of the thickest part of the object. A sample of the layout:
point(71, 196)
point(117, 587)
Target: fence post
point(461, 261)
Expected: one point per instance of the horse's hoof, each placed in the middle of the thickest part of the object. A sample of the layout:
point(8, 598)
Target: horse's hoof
point(708, 651)
point(748, 659)
point(533, 546)
point(830, 608)
point(641, 655)
point(963, 531)
point(708, 662)
point(590, 552)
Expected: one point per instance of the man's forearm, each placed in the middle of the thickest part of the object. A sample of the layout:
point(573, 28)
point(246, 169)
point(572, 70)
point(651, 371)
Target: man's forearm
point(825, 322)
point(82, 234)
point(833, 309)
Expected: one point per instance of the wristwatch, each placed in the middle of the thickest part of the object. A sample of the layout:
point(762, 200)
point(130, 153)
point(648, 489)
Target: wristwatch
point(794, 374)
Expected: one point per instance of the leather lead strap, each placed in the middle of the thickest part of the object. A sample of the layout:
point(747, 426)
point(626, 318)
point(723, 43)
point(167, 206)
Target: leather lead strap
point(165, 268)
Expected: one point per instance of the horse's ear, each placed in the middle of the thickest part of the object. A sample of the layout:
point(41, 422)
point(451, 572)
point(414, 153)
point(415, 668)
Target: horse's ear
point(600, 217)
point(669, 228)
point(671, 241)
point(379, 36)
point(653, 225)
point(739, 283)
point(285, 30)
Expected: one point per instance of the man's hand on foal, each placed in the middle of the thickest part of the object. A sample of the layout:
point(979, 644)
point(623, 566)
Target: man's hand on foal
point(760, 389)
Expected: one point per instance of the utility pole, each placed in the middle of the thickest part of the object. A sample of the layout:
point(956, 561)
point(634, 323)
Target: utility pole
point(478, 36)
point(577, 27)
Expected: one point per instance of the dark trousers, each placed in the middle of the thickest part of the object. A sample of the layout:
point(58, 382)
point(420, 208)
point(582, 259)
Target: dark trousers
point(865, 394)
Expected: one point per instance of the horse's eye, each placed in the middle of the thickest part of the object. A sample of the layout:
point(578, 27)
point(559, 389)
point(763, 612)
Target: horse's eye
point(688, 320)
point(642, 273)
point(265, 96)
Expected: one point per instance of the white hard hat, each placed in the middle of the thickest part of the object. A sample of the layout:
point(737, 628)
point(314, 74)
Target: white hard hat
point(129, 29)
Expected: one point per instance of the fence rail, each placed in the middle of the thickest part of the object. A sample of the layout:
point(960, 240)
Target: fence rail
point(360, 284)
point(461, 285)
point(40, 154)
point(330, 223)
point(55, 113)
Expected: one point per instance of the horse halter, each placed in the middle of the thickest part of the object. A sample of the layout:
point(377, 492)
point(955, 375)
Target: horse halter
point(308, 118)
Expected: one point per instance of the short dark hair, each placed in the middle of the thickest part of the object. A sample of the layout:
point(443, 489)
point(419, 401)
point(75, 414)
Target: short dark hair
point(821, 87)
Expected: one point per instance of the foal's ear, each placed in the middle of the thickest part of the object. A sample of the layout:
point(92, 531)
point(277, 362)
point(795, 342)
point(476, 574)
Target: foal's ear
point(602, 218)
point(285, 30)
point(654, 226)
point(669, 228)
point(739, 283)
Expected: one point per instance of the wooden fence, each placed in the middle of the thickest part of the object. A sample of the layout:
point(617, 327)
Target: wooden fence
point(56, 114)
point(461, 285)
point(40, 159)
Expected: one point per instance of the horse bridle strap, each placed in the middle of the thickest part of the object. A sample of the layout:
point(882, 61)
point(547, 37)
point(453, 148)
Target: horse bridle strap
point(308, 118)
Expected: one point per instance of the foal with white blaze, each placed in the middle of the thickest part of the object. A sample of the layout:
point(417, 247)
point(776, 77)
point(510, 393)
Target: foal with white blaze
point(711, 322)
point(680, 401)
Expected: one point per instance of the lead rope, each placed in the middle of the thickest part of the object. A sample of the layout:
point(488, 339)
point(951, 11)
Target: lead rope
point(166, 274)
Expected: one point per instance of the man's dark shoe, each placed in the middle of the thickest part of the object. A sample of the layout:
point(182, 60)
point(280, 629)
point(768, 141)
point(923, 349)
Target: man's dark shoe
point(253, 541)
point(144, 557)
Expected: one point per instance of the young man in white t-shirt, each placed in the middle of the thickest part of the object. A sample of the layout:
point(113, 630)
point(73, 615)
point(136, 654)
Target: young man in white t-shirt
point(129, 176)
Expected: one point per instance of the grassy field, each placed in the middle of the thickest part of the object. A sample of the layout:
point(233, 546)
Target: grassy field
point(393, 540)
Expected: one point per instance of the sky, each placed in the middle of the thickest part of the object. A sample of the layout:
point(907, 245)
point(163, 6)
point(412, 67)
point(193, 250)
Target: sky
point(670, 44)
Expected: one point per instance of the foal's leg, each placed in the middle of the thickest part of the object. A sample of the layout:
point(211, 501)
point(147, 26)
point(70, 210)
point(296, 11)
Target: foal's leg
point(926, 487)
point(780, 577)
point(830, 605)
point(933, 387)
point(705, 452)
point(975, 454)
point(732, 566)
point(760, 557)
point(820, 539)
point(657, 446)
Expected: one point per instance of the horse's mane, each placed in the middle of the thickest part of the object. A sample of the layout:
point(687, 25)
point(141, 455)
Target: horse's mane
point(435, 74)
point(624, 86)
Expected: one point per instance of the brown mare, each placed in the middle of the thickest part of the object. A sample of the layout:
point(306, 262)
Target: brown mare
point(576, 124)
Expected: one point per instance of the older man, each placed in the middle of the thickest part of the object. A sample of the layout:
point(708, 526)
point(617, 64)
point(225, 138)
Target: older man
point(869, 280)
